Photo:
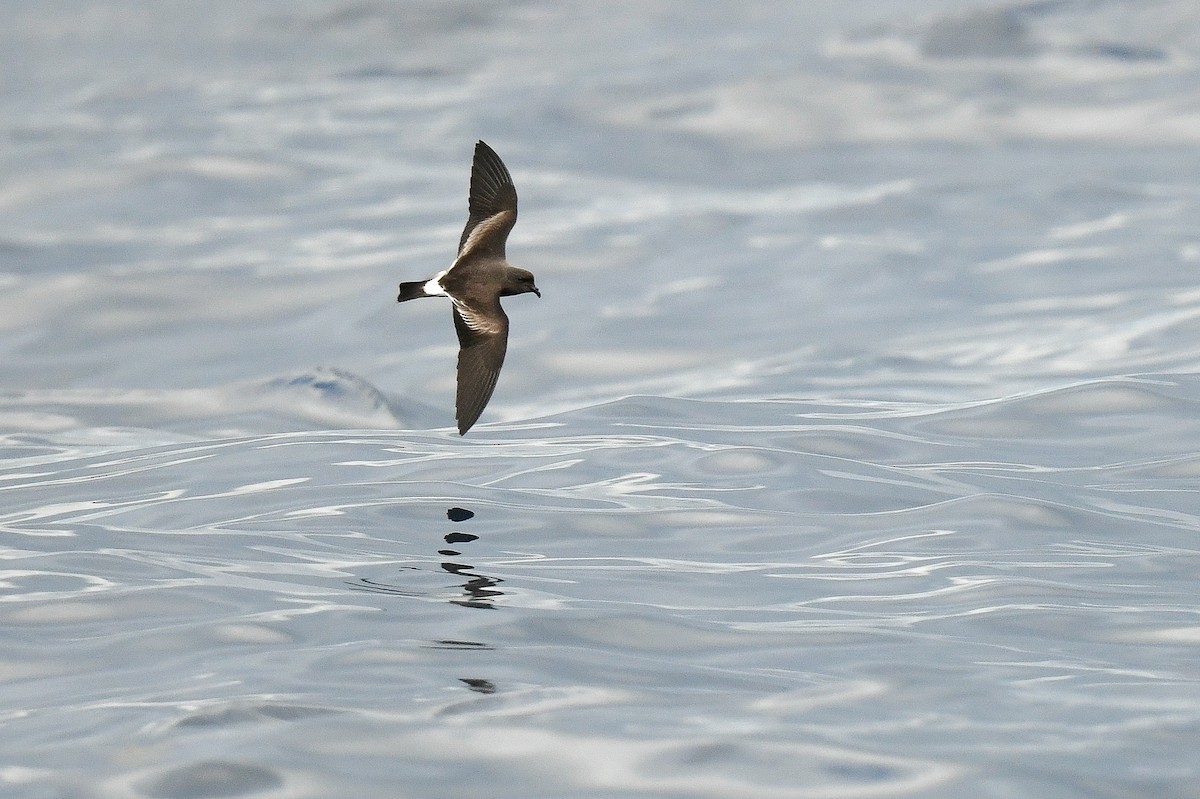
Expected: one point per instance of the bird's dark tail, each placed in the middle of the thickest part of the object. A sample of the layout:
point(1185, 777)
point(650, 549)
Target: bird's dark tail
point(411, 291)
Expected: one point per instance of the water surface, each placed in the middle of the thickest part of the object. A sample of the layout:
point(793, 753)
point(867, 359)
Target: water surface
point(850, 453)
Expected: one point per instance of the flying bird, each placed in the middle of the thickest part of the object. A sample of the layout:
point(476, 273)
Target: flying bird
point(476, 281)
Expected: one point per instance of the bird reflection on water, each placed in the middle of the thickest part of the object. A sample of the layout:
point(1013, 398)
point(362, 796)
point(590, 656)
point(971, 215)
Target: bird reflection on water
point(479, 590)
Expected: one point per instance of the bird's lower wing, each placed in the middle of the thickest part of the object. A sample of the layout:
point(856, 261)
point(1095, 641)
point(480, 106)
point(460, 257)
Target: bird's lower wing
point(480, 357)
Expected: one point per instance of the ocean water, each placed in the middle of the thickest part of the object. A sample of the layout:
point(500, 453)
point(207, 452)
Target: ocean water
point(852, 450)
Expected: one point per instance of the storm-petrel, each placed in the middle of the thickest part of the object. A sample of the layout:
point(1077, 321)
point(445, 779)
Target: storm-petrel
point(476, 281)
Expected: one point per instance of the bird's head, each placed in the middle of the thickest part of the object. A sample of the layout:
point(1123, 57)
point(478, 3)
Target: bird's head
point(519, 281)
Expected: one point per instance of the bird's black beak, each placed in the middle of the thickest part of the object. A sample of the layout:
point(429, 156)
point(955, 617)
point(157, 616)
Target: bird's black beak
point(535, 291)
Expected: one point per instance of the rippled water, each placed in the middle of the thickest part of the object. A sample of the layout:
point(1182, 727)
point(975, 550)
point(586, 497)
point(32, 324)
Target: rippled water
point(851, 451)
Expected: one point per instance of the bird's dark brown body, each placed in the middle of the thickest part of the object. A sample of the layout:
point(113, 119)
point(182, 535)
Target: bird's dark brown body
point(476, 281)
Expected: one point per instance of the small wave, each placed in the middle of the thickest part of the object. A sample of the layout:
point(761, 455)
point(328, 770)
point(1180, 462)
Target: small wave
point(319, 398)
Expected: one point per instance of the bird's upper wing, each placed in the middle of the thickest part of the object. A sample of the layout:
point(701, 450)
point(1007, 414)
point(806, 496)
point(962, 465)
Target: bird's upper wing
point(492, 206)
point(483, 340)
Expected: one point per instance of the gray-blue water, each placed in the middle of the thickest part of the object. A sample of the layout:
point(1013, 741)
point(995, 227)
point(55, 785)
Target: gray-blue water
point(852, 451)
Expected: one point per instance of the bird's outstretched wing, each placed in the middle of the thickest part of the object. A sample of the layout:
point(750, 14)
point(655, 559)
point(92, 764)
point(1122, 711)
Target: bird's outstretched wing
point(482, 340)
point(492, 206)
